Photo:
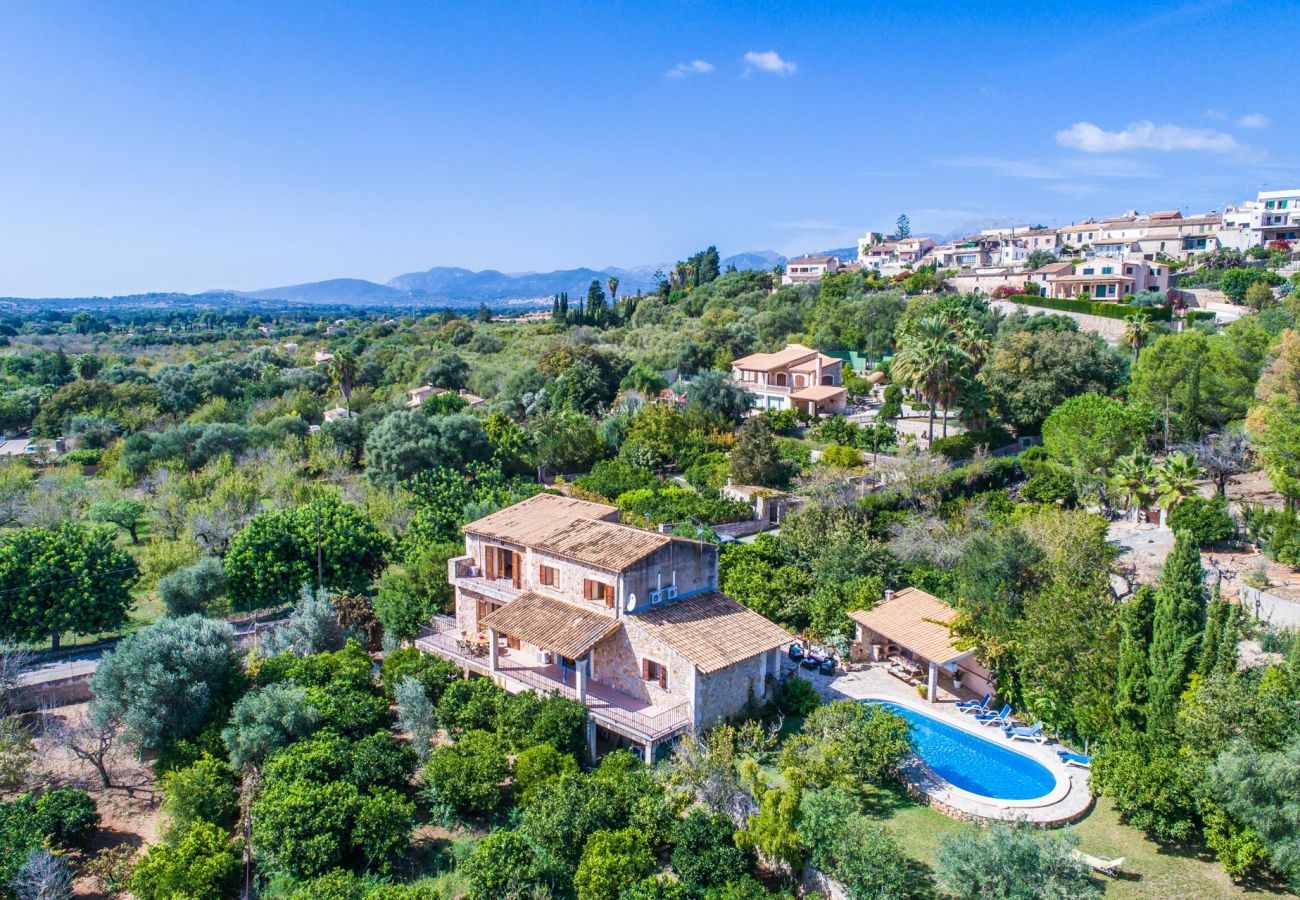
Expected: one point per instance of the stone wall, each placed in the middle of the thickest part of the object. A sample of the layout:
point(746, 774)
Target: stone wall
point(724, 693)
point(693, 565)
point(616, 661)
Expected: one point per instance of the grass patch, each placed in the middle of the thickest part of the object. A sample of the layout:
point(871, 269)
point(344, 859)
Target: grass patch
point(1150, 870)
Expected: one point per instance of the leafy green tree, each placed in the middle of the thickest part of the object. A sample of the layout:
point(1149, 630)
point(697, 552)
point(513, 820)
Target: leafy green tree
point(165, 681)
point(468, 777)
point(855, 851)
point(772, 830)
point(1089, 432)
point(312, 627)
point(756, 459)
point(1030, 373)
point(382, 831)
point(277, 553)
point(266, 719)
point(612, 861)
point(409, 596)
point(1005, 862)
point(201, 862)
point(432, 672)
point(66, 579)
point(1175, 631)
point(1194, 382)
point(537, 768)
point(304, 828)
point(1206, 520)
point(503, 864)
point(410, 441)
point(846, 742)
point(1262, 791)
point(202, 792)
point(192, 589)
point(124, 513)
point(705, 854)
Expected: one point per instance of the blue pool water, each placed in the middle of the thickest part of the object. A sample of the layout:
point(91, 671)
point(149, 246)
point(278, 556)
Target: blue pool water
point(973, 763)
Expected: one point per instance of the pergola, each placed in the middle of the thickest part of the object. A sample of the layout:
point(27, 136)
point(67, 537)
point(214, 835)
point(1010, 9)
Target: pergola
point(919, 623)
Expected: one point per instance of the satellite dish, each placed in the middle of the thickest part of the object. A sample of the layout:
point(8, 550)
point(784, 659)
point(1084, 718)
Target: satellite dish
point(630, 603)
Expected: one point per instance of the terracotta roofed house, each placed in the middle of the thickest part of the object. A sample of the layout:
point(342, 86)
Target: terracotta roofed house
point(555, 594)
point(795, 377)
point(809, 268)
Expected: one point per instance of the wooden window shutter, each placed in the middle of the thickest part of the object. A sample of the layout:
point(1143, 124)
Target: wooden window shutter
point(587, 588)
point(663, 676)
point(491, 561)
point(516, 568)
point(645, 669)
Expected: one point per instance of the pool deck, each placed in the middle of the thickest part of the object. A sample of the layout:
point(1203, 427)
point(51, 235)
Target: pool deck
point(1068, 801)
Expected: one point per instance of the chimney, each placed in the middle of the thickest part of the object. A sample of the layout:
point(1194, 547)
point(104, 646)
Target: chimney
point(889, 595)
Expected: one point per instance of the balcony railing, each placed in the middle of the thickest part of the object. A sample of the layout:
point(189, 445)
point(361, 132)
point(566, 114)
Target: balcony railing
point(465, 574)
point(760, 388)
point(607, 706)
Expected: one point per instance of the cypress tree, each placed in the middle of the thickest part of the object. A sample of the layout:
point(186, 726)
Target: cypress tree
point(1226, 664)
point(1216, 615)
point(1175, 631)
point(1134, 648)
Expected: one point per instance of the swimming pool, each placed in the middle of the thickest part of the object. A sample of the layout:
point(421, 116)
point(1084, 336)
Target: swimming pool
point(972, 763)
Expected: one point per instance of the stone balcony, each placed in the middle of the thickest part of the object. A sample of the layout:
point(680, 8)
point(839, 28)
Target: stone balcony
point(464, 573)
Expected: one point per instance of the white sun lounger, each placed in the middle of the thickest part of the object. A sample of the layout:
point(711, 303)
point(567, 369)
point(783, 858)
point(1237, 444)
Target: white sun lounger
point(1110, 867)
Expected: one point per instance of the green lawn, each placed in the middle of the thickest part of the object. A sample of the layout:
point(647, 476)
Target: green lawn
point(1150, 871)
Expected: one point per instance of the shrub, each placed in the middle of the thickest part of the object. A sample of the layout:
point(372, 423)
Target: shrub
point(202, 792)
point(193, 588)
point(304, 828)
point(705, 854)
point(1049, 484)
point(539, 766)
point(202, 862)
point(1207, 519)
point(962, 446)
point(611, 478)
point(841, 456)
point(1092, 307)
point(432, 672)
point(501, 865)
point(1011, 862)
point(612, 862)
point(795, 697)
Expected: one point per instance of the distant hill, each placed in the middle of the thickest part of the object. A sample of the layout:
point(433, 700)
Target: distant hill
point(336, 290)
point(440, 286)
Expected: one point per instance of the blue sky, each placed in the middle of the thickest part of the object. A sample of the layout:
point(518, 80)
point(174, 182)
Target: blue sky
point(171, 147)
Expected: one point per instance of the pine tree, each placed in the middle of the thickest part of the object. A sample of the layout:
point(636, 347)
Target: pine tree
point(903, 227)
point(1175, 631)
point(1216, 616)
point(1134, 649)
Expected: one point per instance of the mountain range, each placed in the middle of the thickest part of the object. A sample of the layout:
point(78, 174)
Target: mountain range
point(440, 286)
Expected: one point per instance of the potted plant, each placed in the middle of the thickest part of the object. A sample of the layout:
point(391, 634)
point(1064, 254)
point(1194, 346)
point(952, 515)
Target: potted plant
point(956, 678)
point(922, 690)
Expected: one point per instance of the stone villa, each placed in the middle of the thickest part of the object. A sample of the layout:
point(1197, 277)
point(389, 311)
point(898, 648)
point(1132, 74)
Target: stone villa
point(555, 594)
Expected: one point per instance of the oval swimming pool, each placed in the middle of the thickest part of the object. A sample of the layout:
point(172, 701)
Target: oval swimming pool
point(973, 763)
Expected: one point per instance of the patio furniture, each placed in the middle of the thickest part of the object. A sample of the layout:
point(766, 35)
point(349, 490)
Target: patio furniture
point(796, 652)
point(1070, 758)
point(1034, 733)
point(974, 706)
point(827, 666)
point(1110, 867)
point(1001, 717)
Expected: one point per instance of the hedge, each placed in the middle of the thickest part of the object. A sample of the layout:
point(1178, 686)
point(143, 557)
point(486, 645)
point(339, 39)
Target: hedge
point(1094, 307)
point(962, 446)
point(1197, 315)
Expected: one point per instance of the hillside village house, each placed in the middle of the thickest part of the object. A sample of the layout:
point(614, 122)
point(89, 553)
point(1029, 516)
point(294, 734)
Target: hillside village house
point(810, 268)
point(796, 377)
point(554, 594)
point(417, 396)
point(1102, 278)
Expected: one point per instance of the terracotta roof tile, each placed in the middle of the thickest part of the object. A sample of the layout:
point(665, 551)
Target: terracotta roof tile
point(551, 624)
point(711, 630)
point(915, 620)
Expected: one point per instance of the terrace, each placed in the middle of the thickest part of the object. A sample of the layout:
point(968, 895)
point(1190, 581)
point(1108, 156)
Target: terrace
point(519, 670)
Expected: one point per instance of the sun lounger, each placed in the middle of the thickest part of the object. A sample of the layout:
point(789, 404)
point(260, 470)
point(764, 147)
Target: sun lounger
point(1034, 733)
point(1070, 758)
point(1110, 867)
point(1001, 717)
point(974, 706)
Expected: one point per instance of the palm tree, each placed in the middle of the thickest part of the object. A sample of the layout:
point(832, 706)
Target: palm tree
point(611, 284)
point(1134, 477)
point(928, 360)
point(1137, 329)
point(1176, 479)
point(343, 368)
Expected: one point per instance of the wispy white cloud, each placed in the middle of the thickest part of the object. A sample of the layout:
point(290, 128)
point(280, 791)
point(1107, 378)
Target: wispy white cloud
point(768, 61)
point(1089, 138)
point(1054, 170)
point(694, 67)
point(1016, 168)
point(1254, 120)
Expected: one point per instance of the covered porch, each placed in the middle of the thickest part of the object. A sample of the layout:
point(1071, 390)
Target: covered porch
point(910, 635)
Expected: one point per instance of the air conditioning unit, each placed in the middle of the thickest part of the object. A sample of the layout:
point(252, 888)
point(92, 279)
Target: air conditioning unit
point(544, 657)
point(670, 592)
point(656, 597)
